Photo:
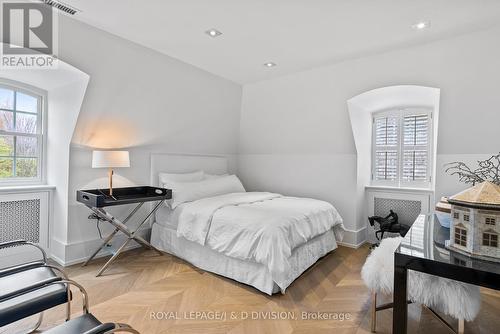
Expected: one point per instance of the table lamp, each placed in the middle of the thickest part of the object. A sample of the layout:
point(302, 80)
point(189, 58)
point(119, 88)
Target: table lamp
point(110, 159)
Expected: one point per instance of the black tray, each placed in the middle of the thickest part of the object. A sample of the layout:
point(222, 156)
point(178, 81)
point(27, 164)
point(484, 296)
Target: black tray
point(98, 198)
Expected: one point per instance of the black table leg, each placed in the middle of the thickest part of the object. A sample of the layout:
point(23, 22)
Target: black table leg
point(400, 311)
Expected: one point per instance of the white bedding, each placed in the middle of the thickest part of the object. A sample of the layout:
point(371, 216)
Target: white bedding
point(165, 216)
point(257, 226)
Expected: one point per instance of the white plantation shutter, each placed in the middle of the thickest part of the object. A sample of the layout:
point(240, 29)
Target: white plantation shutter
point(415, 147)
point(386, 148)
point(401, 146)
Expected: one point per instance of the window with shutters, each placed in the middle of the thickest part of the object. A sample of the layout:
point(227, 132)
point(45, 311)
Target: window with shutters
point(402, 147)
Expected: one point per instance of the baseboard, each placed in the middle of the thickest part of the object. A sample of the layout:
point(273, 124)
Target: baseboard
point(78, 252)
point(351, 245)
point(354, 238)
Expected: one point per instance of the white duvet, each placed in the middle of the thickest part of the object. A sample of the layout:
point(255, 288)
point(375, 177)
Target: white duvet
point(258, 226)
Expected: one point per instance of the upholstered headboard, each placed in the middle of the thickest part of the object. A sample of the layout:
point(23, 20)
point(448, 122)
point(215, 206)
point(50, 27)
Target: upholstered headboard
point(175, 163)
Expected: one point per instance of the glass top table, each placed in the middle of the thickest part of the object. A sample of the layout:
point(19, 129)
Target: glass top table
point(424, 249)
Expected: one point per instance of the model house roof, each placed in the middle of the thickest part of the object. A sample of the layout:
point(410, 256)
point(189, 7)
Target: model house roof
point(483, 195)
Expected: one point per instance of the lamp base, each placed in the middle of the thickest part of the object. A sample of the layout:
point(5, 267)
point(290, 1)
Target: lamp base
point(110, 182)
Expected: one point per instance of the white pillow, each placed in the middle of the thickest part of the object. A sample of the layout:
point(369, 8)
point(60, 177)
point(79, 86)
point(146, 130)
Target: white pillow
point(214, 176)
point(181, 177)
point(183, 192)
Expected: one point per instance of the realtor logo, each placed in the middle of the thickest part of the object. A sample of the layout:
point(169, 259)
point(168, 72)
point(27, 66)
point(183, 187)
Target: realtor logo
point(28, 35)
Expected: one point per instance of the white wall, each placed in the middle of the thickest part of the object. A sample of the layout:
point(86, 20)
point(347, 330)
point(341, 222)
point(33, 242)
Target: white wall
point(143, 101)
point(295, 133)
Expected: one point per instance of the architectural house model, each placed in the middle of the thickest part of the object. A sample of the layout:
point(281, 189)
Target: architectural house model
point(475, 221)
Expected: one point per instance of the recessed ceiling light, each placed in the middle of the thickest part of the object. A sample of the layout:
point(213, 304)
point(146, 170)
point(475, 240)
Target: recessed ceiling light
point(269, 64)
point(213, 33)
point(421, 25)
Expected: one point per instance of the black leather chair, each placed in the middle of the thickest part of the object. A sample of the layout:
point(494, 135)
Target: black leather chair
point(34, 287)
point(20, 296)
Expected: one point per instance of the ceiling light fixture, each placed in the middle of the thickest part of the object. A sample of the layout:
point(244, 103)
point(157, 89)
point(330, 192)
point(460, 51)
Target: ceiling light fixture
point(421, 25)
point(213, 33)
point(269, 64)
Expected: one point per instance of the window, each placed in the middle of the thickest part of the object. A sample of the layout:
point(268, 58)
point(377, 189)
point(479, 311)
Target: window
point(490, 221)
point(456, 215)
point(21, 135)
point(466, 218)
point(490, 239)
point(402, 147)
point(460, 236)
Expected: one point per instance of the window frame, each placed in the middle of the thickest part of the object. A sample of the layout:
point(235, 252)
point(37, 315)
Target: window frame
point(492, 221)
point(487, 240)
point(460, 232)
point(400, 113)
point(41, 133)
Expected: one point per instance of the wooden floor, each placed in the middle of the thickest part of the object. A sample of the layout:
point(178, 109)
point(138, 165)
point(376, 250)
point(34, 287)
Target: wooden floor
point(142, 283)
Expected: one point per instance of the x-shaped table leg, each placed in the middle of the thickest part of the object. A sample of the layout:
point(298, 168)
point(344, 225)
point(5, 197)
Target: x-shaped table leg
point(121, 227)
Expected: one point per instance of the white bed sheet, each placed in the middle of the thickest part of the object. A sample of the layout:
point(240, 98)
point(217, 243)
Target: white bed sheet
point(165, 216)
point(247, 272)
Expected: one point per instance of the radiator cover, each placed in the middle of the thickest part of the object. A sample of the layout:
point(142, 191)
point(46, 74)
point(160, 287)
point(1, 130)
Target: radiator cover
point(407, 210)
point(20, 219)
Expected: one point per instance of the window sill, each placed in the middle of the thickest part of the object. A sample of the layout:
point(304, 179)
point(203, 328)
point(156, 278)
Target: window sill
point(26, 188)
point(400, 189)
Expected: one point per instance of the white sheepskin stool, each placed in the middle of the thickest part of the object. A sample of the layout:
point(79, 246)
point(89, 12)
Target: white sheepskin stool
point(460, 300)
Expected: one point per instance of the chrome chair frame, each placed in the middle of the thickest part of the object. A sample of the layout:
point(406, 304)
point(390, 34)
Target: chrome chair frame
point(119, 327)
point(42, 263)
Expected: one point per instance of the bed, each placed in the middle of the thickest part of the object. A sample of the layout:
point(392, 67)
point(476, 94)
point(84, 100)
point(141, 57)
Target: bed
point(261, 239)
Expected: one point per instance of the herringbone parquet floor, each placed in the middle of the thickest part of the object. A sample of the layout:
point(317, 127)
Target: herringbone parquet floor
point(142, 287)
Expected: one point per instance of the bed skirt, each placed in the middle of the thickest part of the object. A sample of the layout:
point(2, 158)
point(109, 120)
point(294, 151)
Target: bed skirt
point(251, 273)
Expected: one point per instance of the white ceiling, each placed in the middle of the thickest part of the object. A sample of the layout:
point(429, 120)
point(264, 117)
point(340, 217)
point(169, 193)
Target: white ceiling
point(295, 34)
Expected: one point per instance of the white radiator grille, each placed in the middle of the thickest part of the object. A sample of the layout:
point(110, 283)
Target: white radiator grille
point(20, 220)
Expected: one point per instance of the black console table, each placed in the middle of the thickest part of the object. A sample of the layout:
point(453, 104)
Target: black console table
point(423, 249)
point(97, 199)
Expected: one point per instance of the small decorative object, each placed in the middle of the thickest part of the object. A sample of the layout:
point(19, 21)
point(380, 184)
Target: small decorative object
point(443, 212)
point(110, 159)
point(475, 224)
point(388, 224)
point(487, 170)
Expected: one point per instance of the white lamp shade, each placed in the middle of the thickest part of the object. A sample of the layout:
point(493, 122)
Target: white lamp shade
point(110, 159)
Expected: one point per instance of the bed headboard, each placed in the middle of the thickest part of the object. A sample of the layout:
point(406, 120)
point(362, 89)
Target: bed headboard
point(176, 163)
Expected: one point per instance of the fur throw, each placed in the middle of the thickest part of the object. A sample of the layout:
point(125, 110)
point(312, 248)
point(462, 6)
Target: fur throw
point(454, 298)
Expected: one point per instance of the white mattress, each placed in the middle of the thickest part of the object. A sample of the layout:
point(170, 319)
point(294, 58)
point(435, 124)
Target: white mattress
point(164, 237)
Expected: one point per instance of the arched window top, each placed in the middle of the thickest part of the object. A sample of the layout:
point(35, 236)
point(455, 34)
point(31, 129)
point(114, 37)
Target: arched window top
point(395, 132)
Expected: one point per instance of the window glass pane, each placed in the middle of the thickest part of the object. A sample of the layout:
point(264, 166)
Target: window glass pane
point(26, 167)
point(6, 146)
point(6, 98)
point(26, 102)
point(6, 167)
point(415, 165)
point(6, 120)
point(26, 123)
point(26, 146)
